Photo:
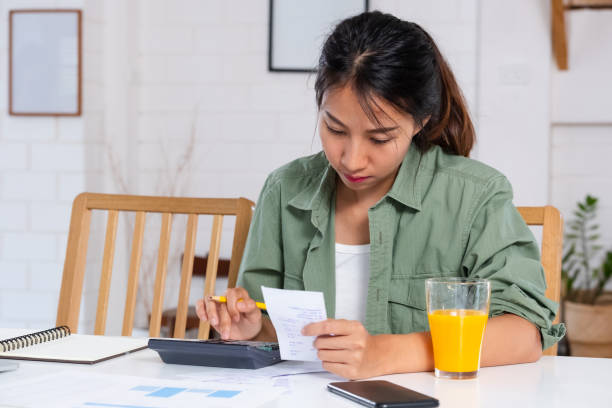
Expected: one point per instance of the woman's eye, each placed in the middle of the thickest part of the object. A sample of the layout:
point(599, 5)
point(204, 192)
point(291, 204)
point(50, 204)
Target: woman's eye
point(379, 141)
point(334, 131)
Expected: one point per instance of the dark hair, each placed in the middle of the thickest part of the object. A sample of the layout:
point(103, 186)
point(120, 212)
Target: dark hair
point(380, 55)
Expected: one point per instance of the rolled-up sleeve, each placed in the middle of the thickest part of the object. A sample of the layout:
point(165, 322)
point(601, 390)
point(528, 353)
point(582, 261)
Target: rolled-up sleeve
point(500, 247)
point(262, 260)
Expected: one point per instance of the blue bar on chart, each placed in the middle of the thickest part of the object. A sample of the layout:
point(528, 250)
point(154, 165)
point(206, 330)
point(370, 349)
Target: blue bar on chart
point(166, 392)
point(224, 394)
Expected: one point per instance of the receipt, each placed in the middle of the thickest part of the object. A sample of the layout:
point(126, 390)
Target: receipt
point(290, 311)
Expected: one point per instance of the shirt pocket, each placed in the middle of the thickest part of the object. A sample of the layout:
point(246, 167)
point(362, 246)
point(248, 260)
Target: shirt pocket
point(407, 306)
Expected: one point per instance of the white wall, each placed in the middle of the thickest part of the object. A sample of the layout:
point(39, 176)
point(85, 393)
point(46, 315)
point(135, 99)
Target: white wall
point(514, 94)
point(202, 68)
point(582, 118)
point(173, 83)
point(43, 162)
point(164, 80)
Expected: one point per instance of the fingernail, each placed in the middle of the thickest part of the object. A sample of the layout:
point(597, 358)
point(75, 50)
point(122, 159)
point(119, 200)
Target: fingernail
point(213, 321)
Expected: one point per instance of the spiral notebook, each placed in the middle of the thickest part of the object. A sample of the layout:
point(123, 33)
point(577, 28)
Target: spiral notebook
point(59, 345)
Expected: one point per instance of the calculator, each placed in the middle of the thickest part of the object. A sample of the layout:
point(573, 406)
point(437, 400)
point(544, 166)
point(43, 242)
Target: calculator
point(217, 353)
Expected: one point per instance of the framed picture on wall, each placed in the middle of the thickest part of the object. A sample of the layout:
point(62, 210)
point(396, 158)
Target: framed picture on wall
point(45, 62)
point(297, 29)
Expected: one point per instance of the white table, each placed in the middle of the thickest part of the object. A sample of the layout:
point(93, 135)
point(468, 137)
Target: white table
point(551, 382)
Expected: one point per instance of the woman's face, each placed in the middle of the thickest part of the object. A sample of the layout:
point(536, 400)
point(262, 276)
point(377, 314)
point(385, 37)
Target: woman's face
point(365, 155)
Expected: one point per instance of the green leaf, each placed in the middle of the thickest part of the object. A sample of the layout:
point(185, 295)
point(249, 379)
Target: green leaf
point(584, 281)
point(570, 252)
point(569, 285)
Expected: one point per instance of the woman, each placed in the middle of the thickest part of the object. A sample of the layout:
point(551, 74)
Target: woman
point(391, 201)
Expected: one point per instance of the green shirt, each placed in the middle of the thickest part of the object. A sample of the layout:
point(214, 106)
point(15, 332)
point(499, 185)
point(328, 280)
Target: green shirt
point(445, 215)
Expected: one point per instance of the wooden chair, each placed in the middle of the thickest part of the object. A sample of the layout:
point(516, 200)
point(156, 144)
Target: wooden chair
point(74, 266)
point(552, 247)
point(168, 320)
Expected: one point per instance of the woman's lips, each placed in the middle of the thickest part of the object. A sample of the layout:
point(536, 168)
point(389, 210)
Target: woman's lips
point(353, 179)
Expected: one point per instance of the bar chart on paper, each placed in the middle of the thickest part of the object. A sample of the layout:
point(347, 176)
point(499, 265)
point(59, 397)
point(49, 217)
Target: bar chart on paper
point(155, 396)
point(117, 391)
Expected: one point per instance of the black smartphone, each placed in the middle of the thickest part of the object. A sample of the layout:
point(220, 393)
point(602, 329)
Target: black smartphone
point(381, 394)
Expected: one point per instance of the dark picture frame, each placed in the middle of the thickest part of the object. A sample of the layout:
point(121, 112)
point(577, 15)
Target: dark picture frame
point(285, 30)
point(45, 62)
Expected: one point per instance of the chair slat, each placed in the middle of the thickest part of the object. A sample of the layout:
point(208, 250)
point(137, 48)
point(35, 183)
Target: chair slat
point(175, 205)
point(74, 267)
point(160, 276)
point(132, 284)
point(241, 230)
point(552, 244)
point(552, 247)
point(71, 294)
point(188, 258)
point(107, 269)
point(211, 269)
point(532, 215)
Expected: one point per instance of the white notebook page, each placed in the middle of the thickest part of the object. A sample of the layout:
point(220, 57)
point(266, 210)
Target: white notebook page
point(80, 348)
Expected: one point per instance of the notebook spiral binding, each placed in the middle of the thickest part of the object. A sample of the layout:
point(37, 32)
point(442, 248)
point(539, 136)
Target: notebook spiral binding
point(27, 340)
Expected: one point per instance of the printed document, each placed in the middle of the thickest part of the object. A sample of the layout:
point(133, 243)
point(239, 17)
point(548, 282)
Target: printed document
point(84, 389)
point(290, 311)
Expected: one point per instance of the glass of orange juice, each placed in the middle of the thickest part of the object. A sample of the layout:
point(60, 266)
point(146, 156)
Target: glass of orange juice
point(457, 309)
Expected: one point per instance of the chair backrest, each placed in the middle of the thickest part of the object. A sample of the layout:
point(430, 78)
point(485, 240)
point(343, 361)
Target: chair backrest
point(78, 235)
point(552, 247)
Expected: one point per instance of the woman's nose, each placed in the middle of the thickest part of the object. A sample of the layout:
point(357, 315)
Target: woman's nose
point(354, 157)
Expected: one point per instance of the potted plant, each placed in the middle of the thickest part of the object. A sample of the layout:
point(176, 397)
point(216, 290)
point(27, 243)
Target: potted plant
point(587, 307)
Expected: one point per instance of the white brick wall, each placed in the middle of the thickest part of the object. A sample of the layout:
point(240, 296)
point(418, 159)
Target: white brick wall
point(202, 62)
point(14, 275)
point(44, 162)
point(15, 217)
point(14, 156)
point(205, 62)
point(28, 186)
point(582, 118)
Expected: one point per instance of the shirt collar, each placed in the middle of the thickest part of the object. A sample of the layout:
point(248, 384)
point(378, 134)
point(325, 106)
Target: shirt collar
point(405, 189)
point(317, 196)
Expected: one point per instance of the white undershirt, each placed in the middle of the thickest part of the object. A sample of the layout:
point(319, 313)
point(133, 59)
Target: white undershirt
point(352, 277)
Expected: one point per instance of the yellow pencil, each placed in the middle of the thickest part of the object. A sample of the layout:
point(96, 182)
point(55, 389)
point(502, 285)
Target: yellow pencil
point(223, 299)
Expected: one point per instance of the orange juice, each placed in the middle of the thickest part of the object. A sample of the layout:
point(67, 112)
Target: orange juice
point(457, 339)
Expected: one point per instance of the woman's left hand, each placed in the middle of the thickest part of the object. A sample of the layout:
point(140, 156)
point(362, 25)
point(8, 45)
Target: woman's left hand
point(345, 347)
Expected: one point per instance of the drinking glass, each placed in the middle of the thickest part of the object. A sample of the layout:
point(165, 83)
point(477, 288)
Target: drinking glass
point(457, 309)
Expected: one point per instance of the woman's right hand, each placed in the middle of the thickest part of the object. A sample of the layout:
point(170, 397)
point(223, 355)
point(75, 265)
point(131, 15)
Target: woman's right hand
point(234, 320)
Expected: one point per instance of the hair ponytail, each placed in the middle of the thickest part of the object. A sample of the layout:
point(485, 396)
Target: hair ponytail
point(452, 128)
point(383, 56)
